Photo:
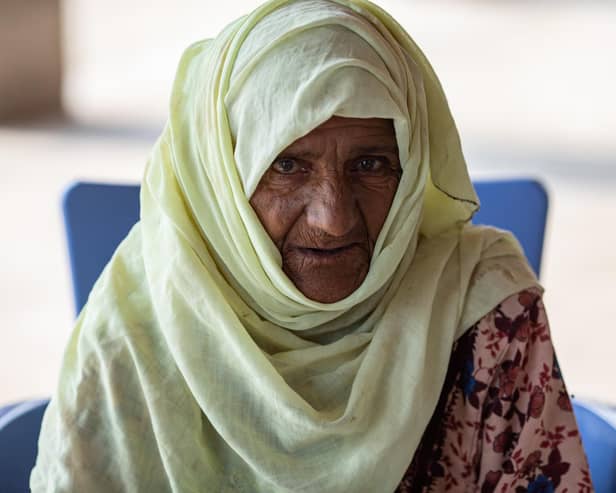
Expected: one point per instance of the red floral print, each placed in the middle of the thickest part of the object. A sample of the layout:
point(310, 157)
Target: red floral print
point(504, 421)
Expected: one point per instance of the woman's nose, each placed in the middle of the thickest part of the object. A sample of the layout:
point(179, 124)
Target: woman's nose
point(333, 208)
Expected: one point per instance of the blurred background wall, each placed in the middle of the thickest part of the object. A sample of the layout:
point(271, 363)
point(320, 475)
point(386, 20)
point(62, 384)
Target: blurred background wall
point(30, 58)
point(530, 84)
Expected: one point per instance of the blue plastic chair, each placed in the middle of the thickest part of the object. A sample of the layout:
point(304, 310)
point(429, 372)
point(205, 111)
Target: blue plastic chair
point(520, 206)
point(98, 216)
point(20, 424)
point(597, 424)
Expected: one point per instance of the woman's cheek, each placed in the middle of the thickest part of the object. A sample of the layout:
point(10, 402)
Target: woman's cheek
point(277, 211)
point(375, 198)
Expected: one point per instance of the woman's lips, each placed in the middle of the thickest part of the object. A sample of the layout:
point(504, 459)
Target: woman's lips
point(330, 254)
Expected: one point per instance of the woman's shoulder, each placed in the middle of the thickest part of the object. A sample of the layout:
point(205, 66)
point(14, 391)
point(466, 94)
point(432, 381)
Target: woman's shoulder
point(489, 356)
point(504, 419)
point(517, 321)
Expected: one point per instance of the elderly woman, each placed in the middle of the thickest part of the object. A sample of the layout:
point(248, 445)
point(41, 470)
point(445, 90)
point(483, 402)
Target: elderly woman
point(303, 306)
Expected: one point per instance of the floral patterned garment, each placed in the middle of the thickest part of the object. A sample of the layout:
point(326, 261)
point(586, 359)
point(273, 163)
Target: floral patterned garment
point(504, 421)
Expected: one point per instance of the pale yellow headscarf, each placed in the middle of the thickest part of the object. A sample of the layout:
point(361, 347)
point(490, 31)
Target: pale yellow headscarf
point(196, 364)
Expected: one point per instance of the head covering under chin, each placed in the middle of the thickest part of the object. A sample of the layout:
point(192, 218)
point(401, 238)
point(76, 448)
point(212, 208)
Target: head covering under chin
point(224, 375)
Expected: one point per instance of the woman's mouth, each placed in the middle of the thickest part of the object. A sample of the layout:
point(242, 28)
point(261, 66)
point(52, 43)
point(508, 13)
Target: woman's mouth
point(327, 252)
point(331, 255)
point(327, 274)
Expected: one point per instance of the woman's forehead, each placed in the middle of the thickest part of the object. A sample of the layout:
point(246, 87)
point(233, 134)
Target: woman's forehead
point(368, 133)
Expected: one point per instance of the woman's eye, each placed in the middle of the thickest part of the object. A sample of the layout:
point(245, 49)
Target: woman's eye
point(286, 166)
point(369, 165)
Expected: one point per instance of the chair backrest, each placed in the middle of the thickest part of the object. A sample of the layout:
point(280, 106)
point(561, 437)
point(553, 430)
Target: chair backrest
point(520, 206)
point(98, 216)
point(20, 425)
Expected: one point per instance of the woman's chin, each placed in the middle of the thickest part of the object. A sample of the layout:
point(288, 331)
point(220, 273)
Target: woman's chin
point(327, 283)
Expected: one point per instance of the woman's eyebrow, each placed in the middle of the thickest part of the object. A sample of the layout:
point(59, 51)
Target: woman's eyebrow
point(375, 149)
point(299, 153)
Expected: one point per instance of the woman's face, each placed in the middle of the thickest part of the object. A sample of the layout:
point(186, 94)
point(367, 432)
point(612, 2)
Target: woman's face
point(324, 200)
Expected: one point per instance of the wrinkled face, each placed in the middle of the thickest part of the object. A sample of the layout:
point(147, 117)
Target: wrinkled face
point(324, 200)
